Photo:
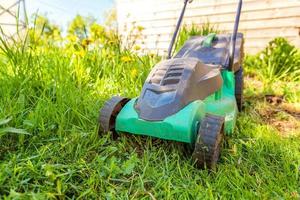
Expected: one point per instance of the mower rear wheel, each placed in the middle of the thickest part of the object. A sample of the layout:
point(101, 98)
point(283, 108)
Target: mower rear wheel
point(239, 87)
point(209, 141)
point(109, 112)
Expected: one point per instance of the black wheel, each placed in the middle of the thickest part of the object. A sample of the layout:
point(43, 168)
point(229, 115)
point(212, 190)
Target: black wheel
point(209, 141)
point(239, 87)
point(109, 112)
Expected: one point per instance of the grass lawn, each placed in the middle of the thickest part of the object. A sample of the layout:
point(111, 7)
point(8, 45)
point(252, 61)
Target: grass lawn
point(50, 148)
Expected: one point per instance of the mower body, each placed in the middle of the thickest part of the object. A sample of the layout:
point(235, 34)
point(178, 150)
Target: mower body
point(180, 91)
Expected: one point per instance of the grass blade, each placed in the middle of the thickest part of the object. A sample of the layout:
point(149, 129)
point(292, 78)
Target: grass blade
point(6, 130)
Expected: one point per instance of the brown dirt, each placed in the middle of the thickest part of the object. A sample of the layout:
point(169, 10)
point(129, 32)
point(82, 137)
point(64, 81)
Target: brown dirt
point(285, 117)
point(274, 100)
point(292, 108)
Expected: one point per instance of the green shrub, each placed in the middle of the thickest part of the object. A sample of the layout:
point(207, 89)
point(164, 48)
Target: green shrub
point(278, 61)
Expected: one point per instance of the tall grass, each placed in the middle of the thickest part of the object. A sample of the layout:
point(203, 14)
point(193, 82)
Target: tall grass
point(279, 61)
point(54, 92)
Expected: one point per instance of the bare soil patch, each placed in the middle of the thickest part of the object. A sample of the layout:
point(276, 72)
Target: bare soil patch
point(285, 117)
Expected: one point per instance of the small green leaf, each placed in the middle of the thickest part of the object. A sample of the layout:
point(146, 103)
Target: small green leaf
point(129, 165)
point(5, 121)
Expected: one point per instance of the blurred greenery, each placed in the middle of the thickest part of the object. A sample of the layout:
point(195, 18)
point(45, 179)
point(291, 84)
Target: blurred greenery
point(280, 61)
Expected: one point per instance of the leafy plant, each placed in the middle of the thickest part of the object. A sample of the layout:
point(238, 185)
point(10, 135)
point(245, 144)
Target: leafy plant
point(279, 61)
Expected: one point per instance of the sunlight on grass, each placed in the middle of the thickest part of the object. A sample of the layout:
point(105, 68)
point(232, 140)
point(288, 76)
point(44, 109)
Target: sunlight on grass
point(54, 92)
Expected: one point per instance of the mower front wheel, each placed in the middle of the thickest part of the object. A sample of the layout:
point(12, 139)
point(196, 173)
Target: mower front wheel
point(209, 141)
point(109, 112)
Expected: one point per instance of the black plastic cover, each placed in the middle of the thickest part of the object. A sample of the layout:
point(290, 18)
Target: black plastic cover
point(174, 83)
point(217, 54)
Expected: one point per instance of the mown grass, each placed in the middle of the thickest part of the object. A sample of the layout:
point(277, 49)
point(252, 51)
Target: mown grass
point(54, 94)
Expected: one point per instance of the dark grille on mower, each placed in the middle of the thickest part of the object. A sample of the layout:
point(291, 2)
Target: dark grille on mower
point(173, 84)
point(167, 74)
point(172, 76)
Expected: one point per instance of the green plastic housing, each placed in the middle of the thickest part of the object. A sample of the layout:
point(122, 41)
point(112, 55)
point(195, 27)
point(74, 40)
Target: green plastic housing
point(183, 125)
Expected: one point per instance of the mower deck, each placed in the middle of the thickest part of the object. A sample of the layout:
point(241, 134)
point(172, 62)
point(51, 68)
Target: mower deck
point(183, 125)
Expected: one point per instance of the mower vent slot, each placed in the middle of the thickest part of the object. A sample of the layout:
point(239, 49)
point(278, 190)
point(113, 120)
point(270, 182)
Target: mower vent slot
point(175, 68)
point(172, 76)
point(170, 81)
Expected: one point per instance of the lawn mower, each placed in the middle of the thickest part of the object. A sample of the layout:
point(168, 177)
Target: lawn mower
point(193, 97)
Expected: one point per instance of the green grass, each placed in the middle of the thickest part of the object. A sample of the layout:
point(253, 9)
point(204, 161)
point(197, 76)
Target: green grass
point(51, 96)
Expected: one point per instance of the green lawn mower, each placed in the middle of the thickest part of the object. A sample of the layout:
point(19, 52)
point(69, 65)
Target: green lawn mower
point(193, 97)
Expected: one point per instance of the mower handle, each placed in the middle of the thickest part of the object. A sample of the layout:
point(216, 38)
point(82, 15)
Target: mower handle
point(177, 28)
point(233, 36)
